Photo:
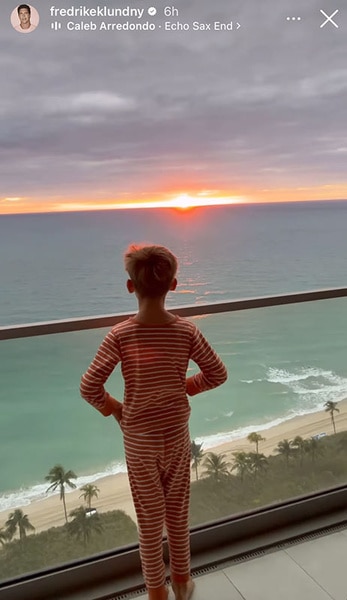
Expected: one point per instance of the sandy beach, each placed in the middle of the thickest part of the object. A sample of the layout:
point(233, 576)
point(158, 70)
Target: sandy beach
point(115, 492)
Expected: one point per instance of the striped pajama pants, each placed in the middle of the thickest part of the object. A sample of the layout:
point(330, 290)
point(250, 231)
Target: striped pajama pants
point(159, 474)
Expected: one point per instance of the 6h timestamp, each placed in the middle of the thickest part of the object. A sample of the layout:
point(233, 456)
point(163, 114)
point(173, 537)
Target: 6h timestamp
point(170, 11)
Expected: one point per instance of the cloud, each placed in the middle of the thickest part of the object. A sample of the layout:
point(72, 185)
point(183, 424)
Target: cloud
point(9, 199)
point(84, 103)
point(131, 112)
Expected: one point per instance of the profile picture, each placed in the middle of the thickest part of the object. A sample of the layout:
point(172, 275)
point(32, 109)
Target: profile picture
point(24, 18)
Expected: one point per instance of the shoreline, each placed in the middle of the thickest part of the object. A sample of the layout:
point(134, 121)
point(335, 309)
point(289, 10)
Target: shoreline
point(115, 491)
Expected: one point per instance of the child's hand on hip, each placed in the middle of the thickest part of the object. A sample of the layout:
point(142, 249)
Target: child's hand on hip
point(117, 413)
point(116, 408)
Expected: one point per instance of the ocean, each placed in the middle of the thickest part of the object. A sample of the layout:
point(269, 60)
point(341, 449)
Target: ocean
point(282, 361)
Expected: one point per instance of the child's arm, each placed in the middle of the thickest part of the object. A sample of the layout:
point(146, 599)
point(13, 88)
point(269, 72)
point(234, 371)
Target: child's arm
point(92, 383)
point(212, 370)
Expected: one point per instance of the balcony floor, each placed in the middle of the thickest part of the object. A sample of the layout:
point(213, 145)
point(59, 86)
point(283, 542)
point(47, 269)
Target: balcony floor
point(311, 570)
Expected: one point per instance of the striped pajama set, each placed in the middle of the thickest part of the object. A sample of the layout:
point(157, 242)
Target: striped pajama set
point(154, 361)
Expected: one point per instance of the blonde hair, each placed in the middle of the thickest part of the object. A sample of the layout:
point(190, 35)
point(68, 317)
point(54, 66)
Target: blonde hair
point(150, 268)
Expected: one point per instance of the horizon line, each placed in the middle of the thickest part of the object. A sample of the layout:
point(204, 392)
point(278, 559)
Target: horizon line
point(177, 208)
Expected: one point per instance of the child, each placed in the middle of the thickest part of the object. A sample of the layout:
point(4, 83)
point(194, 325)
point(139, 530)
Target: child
point(154, 348)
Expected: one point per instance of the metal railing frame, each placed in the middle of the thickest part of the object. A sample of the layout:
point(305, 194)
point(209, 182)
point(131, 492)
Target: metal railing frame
point(66, 325)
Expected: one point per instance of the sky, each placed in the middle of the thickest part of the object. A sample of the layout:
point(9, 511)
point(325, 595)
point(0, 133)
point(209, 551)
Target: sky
point(107, 119)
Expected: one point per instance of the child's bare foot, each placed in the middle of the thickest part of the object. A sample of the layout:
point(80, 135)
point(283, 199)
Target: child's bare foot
point(183, 591)
point(161, 593)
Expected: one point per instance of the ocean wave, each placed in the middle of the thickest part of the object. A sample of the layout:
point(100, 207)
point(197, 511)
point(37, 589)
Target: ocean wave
point(275, 375)
point(191, 281)
point(25, 496)
point(325, 389)
point(211, 441)
point(311, 385)
point(215, 292)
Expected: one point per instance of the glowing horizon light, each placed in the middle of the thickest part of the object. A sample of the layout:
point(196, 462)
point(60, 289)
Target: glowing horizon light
point(185, 201)
point(181, 202)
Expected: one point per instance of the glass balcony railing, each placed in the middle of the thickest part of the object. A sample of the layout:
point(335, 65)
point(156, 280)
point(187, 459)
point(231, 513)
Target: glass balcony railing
point(276, 431)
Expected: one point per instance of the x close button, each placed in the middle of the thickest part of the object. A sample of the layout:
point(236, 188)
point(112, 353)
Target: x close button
point(329, 19)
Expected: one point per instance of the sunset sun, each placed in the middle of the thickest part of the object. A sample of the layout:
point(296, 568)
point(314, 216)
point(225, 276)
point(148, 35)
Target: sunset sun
point(187, 202)
point(184, 202)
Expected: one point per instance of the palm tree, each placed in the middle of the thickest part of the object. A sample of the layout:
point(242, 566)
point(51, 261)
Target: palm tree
point(241, 464)
point(255, 438)
point(89, 491)
point(216, 467)
point(83, 525)
point(18, 522)
point(300, 445)
point(258, 462)
point(196, 456)
point(331, 407)
point(59, 478)
point(285, 448)
point(3, 537)
point(313, 447)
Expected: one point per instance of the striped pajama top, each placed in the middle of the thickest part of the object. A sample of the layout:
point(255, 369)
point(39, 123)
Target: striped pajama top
point(154, 361)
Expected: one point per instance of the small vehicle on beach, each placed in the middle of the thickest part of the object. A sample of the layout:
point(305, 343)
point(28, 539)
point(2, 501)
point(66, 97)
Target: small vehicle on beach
point(319, 435)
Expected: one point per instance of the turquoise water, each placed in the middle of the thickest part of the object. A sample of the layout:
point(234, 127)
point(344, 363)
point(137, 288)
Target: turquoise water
point(282, 361)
